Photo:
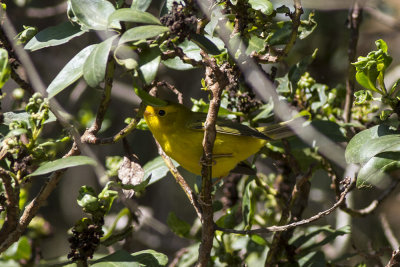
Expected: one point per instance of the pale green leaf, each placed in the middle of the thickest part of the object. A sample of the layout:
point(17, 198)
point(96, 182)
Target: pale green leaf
point(94, 68)
point(157, 169)
point(54, 35)
point(133, 15)
point(63, 163)
point(142, 33)
point(71, 72)
point(93, 14)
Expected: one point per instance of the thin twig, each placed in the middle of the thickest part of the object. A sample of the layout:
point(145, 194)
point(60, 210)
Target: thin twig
point(373, 205)
point(387, 230)
point(178, 255)
point(173, 89)
point(181, 181)
point(12, 207)
point(349, 186)
point(90, 134)
point(295, 17)
point(354, 20)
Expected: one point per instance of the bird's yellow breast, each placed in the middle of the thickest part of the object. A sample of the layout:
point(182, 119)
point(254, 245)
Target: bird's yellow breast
point(184, 144)
point(228, 150)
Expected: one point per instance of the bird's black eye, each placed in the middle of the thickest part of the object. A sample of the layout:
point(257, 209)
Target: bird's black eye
point(161, 112)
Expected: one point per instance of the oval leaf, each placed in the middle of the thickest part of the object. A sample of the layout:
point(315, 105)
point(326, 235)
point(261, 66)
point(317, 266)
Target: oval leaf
point(93, 14)
point(121, 258)
point(157, 169)
point(149, 99)
point(141, 5)
point(205, 43)
point(133, 15)
point(63, 163)
point(264, 6)
point(94, 68)
point(53, 36)
point(374, 170)
point(71, 72)
point(191, 50)
point(356, 144)
point(142, 32)
point(386, 143)
point(149, 62)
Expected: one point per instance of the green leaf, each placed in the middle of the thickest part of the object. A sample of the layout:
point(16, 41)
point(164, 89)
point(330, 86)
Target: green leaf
point(264, 6)
point(93, 14)
point(248, 205)
point(313, 259)
point(4, 67)
point(191, 50)
point(204, 43)
point(367, 79)
point(141, 5)
point(288, 83)
point(376, 168)
point(386, 143)
point(166, 7)
point(63, 163)
point(54, 35)
point(142, 33)
point(255, 44)
point(371, 69)
point(228, 220)
point(149, 62)
point(318, 237)
point(307, 26)
point(87, 199)
point(71, 72)
point(22, 115)
point(20, 250)
point(133, 15)
point(362, 96)
point(121, 258)
point(149, 99)
point(157, 169)
point(94, 68)
point(356, 144)
point(380, 44)
point(281, 35)
point(178, 226)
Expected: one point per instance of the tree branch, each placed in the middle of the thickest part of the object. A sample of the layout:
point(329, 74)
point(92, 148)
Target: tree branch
point(354, 21)
point(181, 181)
point(373, 205)
point(348, 187)
point(216, 80)
point(12, 208)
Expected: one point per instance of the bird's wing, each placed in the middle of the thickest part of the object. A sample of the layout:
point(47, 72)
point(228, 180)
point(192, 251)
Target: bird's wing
point(225, 126)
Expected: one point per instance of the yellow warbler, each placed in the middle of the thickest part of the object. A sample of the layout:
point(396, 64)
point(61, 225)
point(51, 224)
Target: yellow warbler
point(180, 133)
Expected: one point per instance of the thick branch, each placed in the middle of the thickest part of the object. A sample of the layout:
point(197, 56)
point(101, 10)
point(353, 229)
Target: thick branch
point(216, 81)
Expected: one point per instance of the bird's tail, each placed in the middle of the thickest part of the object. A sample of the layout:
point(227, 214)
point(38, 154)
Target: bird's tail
point(283, 129)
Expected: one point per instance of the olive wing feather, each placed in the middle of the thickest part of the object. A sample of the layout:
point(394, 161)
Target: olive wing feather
point(224, 126)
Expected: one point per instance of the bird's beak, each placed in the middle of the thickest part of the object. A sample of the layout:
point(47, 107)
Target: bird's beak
point(148, 111)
